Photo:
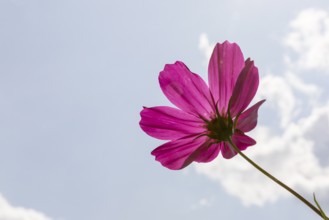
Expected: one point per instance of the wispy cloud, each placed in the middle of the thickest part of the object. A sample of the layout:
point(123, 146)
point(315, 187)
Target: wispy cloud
point(10, 212)
point(205, 46)
point(296, 150)
point(309, 40)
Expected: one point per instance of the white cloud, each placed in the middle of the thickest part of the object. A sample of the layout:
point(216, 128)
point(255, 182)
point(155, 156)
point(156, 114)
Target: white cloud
point(300, 86)
point(279, 93)
point(296, 152)
point(204, 202)
point(309, 40)
point(205, 47)
point(9, 212)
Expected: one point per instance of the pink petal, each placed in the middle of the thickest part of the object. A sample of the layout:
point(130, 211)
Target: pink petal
point(248, 119)
point(168, 123)
point(209, 153)
point(241, 140)
point(186, 90)
point(244, 89)
point(227, 151)
point(225, 65)
point(179, 153)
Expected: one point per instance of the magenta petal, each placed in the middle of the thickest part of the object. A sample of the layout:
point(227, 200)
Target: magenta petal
point(225, 65)
point(168, 123)
point(241, 140)
point(227, 151)
point(179, 153)
point(244, 89)
point(209, 153)
point(186, 90)
point(248, 119)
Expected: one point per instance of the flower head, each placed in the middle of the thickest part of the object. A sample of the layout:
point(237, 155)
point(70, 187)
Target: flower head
point(206, 118)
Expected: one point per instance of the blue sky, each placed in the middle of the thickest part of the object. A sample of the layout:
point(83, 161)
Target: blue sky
point(74, 76)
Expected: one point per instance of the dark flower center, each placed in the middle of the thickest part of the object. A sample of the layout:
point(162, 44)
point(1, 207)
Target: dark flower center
point(220, 128)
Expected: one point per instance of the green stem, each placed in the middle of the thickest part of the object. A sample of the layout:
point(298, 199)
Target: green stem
point(275, 179)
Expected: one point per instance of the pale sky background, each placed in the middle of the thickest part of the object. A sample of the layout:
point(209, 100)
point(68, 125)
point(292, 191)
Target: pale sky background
point(75, 74)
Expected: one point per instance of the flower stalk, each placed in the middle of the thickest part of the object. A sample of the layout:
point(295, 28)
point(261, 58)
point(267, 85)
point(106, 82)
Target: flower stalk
point(310, 205)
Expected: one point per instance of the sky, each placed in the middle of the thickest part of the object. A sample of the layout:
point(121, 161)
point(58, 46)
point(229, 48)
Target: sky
point(74, 76)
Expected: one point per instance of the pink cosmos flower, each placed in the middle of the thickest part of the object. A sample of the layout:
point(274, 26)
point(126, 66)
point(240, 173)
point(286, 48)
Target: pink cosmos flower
point(205, 117)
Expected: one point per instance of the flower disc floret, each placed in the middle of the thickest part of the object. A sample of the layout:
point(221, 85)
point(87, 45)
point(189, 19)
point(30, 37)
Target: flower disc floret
point(220, 129)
